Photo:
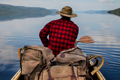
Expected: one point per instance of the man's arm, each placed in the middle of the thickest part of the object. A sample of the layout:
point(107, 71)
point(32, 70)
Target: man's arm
point(44, 33)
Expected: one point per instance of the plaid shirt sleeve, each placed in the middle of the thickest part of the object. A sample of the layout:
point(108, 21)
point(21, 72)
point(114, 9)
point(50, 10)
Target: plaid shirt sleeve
point(44, 33)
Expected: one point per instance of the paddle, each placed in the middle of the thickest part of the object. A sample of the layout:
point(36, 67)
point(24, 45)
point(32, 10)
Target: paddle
point(86, 39)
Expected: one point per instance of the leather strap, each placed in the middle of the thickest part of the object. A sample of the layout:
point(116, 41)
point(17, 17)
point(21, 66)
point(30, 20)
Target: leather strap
point(73, 77)
point(86, 75)
point(87, 65)
point(50, 78)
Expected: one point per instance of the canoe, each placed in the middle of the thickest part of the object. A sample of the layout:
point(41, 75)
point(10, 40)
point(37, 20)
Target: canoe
point(96, 74)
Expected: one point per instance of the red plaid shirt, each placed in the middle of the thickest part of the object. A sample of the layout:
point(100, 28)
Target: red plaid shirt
point(62, 35)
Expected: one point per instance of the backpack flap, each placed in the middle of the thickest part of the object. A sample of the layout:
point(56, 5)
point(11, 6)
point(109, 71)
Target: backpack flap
point(35, 55)
point(67, 57)
point(31, 59)
point(47, 53)
point(73, 54)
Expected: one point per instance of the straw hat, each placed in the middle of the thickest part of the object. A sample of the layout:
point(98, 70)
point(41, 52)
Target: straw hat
point(67, 11)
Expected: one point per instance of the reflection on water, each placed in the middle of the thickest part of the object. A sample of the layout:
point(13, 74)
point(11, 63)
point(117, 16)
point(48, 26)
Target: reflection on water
point(104, 29)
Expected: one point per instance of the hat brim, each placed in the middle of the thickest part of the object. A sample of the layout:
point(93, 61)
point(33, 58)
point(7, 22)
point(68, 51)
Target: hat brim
point(67, 15)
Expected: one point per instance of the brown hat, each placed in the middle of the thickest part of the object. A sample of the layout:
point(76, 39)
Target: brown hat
point(67, 11)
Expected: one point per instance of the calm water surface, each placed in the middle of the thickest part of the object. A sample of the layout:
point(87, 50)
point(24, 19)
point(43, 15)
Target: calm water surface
point(104, 29)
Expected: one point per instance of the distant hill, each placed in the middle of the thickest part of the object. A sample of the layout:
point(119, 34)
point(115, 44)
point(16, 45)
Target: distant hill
point(115, 12)
point(53, 11)
point(93, 12)
point(9, 9)
point(8, 12)
point(96, 12)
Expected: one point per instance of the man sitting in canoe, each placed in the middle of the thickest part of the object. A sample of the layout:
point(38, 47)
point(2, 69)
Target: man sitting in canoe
point(62, 32)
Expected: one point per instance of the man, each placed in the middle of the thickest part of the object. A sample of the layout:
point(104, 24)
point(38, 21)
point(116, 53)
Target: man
point(62, 32)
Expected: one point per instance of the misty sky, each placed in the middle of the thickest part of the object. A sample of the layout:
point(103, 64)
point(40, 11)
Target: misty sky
point(77, 5)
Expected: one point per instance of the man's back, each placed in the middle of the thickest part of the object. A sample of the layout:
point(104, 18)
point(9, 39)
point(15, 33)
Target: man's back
point(62, 34)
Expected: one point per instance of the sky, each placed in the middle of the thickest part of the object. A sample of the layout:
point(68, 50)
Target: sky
point(77, 5)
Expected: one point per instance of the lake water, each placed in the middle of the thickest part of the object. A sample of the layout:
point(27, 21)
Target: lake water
point(103, 28)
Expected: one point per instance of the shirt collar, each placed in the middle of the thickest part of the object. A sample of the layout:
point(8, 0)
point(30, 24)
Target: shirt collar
point(65, 18)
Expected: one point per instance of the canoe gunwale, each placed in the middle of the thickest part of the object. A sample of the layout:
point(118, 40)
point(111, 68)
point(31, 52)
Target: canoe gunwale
point(17, 75)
